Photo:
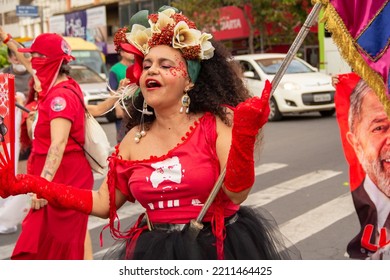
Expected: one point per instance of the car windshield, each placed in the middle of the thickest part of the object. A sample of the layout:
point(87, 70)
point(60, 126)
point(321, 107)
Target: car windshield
point(84, 75)
point(90, 58)
point(271, 65)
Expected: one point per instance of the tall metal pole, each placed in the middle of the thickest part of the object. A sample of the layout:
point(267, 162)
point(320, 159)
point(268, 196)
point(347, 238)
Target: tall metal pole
point(310, 20)
point(196, 225)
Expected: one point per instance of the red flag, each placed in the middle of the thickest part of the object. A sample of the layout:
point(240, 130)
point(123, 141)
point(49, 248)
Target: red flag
point(7, 119)
point(361, 30)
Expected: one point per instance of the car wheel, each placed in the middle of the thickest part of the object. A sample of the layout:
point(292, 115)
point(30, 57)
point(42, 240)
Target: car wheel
point(327, 113)
point(274, 114)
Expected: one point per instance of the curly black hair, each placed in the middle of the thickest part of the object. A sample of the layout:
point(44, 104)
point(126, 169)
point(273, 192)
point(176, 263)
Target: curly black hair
point(219, 83)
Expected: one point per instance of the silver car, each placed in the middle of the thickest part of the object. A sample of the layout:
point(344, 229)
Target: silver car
point(302, 88)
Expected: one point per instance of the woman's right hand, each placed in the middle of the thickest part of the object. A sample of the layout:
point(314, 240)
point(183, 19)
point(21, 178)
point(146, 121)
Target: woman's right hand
point(124, 82)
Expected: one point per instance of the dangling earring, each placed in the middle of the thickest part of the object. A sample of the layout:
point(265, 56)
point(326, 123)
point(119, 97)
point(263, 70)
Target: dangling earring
point(141, 133)
point(185, 102)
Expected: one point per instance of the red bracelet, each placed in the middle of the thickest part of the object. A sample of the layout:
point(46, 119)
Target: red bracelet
point(5, 41)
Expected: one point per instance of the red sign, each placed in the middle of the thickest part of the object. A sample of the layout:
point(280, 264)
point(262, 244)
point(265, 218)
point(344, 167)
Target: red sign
point(232, 24)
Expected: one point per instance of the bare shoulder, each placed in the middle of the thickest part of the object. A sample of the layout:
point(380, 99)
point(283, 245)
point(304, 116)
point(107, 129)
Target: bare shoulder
point(224, 128)
point(225, 124)
point(127, 144)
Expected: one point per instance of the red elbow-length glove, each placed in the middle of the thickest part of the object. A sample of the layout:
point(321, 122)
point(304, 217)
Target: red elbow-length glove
point(58, 195)
point(249, 117)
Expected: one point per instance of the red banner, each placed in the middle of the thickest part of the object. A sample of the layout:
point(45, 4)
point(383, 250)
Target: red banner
point(7, 119)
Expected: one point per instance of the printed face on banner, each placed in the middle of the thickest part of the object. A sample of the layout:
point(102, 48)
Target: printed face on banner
point(365, 134)
point(371, 141)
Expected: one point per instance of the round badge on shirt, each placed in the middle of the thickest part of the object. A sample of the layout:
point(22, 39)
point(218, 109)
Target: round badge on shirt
point(58, 104)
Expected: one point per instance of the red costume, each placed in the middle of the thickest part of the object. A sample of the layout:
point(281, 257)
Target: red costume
point(57, 233)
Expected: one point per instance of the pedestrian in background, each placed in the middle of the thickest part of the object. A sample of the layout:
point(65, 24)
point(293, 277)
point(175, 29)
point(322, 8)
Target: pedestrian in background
point(118, 73)
point(49, 232)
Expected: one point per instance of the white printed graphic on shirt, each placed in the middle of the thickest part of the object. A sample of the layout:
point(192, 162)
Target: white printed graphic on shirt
point(166, 170)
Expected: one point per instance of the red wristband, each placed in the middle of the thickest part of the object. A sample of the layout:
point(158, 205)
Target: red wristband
point(5, 41)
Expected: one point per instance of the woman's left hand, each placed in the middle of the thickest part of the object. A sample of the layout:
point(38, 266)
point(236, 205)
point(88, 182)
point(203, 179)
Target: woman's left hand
point(37, 203)
point(252, 114)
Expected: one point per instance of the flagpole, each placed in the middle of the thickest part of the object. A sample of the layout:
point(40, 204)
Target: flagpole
point(196, 225)
point(310, 20)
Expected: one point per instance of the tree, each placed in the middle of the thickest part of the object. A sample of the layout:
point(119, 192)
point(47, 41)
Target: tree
point(272, 21)
point(3, 56)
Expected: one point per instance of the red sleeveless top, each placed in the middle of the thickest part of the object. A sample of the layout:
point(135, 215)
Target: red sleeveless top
point(173, 187)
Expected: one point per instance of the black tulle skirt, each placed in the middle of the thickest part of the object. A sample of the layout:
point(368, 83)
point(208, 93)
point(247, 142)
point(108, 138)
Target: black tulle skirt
point(252, 234)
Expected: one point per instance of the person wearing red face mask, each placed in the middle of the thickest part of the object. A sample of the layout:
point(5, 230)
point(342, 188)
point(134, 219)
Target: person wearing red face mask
point(50, 232)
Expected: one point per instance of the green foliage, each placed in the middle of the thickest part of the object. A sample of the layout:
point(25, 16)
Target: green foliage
point(3, 56)
point(203, 12)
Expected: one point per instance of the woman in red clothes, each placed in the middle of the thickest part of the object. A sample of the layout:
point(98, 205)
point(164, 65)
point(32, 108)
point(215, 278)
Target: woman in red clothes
point(191, 117)
point(49, 232)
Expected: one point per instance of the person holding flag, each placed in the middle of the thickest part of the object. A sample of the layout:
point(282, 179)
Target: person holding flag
point(191, 117)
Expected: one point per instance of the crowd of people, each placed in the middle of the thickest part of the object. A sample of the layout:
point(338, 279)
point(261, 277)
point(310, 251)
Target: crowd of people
point(189, 126)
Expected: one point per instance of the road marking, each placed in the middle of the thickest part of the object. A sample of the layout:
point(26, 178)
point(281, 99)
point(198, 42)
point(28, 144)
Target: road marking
point(318, 218)
point(277, 191)
point(268, 167)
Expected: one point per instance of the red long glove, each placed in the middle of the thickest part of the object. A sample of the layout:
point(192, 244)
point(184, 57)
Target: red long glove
point(249, 117)
point(58, 195)
point(7, 178)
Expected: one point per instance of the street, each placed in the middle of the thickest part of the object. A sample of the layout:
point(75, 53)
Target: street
point(302, 180)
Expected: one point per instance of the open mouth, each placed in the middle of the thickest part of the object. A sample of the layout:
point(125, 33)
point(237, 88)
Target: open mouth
point(386, 163)
point(152, 83)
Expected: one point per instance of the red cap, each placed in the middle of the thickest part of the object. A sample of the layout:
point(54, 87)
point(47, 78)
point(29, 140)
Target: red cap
point(50, 45)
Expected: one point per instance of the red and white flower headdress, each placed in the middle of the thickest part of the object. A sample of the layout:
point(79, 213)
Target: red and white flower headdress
point(171, 28)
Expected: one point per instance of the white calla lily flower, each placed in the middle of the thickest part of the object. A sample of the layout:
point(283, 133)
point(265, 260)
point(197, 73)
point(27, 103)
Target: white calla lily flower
point(163, 20)
point(171, 28)
point(139, 37)
point(207, 49)
point(183, 36)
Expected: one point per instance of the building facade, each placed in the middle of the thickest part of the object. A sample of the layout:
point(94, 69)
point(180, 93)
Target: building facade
point(94, 20)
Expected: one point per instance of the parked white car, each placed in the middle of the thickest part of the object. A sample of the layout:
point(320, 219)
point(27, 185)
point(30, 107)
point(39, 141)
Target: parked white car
point(302, 88)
